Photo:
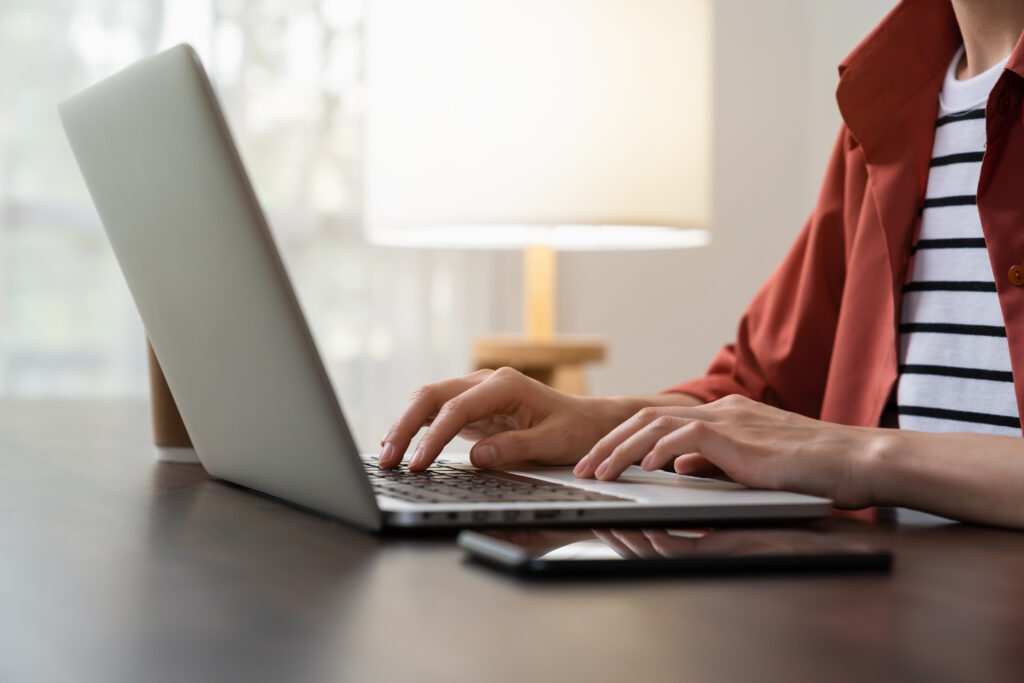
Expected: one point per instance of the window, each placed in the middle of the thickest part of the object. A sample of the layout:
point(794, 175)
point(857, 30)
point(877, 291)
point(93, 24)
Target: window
point(289, 76)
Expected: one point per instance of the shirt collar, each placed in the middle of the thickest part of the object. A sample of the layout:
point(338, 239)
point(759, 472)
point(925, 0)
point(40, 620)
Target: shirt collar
point(909, 50)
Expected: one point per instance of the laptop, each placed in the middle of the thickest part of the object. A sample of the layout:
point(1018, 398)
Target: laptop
point(201, 265)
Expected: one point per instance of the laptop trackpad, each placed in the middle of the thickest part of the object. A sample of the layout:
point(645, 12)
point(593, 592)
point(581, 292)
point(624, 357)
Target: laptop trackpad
point(657, 486)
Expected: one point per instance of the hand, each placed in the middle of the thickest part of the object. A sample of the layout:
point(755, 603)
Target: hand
point(752, 443)
point(646, 543)
point(654, 543)
point(511, 417)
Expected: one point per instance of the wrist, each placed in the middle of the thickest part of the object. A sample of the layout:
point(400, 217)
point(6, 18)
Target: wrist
point(614, 410)
point(611, 411)
point(871, 473)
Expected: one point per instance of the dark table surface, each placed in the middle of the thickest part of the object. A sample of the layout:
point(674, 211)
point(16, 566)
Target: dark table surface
point(116, 568)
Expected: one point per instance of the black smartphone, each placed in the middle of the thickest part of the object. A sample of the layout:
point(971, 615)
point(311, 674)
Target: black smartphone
point(607, 551)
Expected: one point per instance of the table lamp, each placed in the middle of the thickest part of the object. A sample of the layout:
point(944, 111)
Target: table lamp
point(541, 126)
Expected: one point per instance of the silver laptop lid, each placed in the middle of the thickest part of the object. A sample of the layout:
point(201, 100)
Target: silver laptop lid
point(201, 265)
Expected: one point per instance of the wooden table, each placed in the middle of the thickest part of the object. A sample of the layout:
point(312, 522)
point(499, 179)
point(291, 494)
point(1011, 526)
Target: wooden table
point(116, 568)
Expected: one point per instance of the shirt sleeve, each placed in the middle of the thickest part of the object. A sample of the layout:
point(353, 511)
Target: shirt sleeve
point(784, 341)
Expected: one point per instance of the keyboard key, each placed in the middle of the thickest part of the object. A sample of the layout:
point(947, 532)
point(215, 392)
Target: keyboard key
point(444, 483)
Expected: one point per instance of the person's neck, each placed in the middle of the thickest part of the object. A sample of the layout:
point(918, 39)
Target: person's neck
point(990, 29)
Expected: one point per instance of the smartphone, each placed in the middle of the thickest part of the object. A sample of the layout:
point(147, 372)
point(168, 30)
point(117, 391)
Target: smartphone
point(609, 551)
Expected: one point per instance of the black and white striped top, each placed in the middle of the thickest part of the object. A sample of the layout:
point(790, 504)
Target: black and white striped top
point(954, 373)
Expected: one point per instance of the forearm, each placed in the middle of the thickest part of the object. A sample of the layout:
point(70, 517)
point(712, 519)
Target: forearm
point(970, 477)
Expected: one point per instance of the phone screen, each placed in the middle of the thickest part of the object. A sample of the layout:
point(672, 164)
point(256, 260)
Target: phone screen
point(671, 548)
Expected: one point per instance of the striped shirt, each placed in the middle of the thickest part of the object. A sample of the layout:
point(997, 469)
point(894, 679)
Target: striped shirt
point(954, 361)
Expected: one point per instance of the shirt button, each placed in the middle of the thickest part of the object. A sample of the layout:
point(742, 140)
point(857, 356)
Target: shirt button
point(1003, 105)
point(1016, 275)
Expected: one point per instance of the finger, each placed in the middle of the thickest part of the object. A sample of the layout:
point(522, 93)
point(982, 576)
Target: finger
point(546, 443)
point(692, 464)
point(637, 542)
point(697, 437)
point(609, 442)
point(540, 542)
point(656, 461)
point(423, 403)
point(499, 394)
point(695, 465)
point(669, 546)
point(614, 543)
point(603, 448)
point(637, 446)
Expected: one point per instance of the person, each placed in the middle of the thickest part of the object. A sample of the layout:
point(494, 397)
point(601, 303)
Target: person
point(900, 304)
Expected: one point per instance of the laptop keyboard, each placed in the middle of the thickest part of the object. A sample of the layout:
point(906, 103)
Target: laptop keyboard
point(442, 483)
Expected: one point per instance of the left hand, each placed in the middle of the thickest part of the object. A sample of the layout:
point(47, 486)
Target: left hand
point(752, 443)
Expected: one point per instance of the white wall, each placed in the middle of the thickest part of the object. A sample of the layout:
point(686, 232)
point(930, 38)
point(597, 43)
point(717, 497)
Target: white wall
point(665, 314)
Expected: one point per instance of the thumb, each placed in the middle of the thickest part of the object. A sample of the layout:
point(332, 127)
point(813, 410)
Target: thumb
point(696, 465)
point(516, 446)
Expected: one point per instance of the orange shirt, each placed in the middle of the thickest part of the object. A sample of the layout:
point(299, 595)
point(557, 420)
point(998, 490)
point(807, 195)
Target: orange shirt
point(820, 338)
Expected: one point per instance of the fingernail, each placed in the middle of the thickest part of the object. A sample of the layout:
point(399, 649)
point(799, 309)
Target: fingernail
point(580, 466)
point(647, 461)
point(601, 469)
point(484, 456)
point(415, 462)
point(385, 455)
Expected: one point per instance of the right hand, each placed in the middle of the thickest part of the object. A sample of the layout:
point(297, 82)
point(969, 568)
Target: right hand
point(511, 417)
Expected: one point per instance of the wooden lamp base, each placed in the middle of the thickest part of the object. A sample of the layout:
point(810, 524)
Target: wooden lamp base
point(557, 362)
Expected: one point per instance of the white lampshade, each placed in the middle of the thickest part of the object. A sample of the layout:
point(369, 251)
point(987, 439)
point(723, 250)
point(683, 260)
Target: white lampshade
point(499, 124)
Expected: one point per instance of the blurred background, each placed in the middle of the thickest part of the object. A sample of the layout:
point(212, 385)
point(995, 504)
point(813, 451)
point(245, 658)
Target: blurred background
point(291, 76)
